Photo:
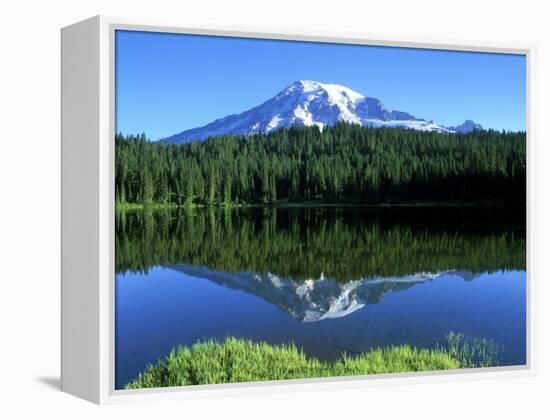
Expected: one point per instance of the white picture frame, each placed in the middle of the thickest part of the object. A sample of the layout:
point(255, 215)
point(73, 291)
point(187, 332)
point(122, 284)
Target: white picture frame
point(88, 128)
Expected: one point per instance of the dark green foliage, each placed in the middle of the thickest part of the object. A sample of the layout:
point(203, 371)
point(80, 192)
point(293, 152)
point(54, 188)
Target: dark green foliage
point(344, 163)
point(341, 243)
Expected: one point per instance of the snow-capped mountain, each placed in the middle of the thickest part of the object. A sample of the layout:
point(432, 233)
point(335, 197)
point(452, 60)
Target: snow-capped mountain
point(315, 299)
point(308, 103)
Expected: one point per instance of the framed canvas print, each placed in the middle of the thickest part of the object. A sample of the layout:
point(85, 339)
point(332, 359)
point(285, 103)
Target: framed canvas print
point(252, 208)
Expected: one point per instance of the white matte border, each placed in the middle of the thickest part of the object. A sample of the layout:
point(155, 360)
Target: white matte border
point(108, 26)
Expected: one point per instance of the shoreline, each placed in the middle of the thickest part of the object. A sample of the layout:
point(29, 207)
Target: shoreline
point(243, 360)
point(318, 204)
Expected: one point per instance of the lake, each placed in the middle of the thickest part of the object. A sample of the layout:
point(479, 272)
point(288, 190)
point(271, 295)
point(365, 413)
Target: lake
point(332, 280)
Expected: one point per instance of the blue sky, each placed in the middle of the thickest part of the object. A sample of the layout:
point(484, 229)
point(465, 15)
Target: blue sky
point(167, 83)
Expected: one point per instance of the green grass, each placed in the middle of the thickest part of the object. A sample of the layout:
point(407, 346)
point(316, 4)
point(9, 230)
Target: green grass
point(305, 203)
point(159, 206)
point(139, 206)
point(471, 352)
point(235, 360)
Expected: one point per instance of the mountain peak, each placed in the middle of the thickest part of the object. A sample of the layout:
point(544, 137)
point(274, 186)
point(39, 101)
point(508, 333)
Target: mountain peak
point(334, 90)
point(466, 127)
point(313, 103)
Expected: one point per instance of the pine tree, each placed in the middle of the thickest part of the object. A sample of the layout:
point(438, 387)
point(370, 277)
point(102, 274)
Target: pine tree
point(147, 188)
point(227, 193)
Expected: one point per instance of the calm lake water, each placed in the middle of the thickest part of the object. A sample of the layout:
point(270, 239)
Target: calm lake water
point(331, 280)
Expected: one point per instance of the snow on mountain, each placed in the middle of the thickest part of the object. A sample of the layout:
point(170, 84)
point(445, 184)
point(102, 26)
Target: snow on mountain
point(309, 103)
point(314, 299)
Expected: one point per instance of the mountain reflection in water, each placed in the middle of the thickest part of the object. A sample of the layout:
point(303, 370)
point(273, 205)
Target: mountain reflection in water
point(314, 299)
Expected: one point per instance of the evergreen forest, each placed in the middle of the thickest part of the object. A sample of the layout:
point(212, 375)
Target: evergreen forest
point(345, 163)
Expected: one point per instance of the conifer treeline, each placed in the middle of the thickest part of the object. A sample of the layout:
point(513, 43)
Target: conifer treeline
point(341, 163)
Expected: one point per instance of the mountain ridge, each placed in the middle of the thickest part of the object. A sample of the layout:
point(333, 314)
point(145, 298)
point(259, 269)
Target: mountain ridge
point(315, 299)
point(311, 103)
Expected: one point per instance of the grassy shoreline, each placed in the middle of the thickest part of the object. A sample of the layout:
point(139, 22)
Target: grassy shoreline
point(237, 360)
point(304, 204)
